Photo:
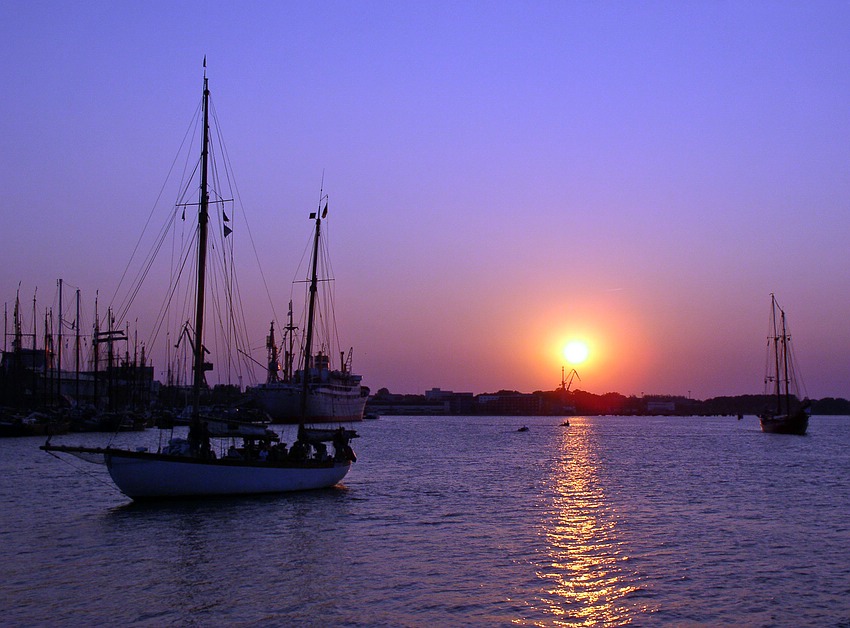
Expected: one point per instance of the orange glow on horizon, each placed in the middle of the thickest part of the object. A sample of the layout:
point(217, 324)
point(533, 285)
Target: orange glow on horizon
point(622, 348)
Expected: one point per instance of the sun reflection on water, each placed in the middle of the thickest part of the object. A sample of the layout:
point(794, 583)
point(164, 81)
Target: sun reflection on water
point(583, 561)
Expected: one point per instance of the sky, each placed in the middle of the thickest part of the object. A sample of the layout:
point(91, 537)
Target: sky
point(504, 177)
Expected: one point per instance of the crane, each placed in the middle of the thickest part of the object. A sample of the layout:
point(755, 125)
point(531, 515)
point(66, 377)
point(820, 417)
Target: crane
point(567, 381)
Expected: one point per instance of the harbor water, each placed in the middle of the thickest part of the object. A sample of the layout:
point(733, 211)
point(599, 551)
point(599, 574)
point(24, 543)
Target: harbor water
point(450, 521)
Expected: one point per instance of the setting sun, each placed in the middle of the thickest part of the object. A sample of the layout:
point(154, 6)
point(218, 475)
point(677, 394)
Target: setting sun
point(576, 352)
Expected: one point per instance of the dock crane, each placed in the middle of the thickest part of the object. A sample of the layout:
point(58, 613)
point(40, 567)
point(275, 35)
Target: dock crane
point(567, 381)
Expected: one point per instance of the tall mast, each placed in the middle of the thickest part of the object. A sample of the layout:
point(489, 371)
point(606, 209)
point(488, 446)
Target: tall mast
point(203, 219)
point(34, 318)
point(77, 352)
point(311, 311)
point(785, 364)
point(290, 330)
point(777, 386)
point(18, 338)
point(59, 350)
point(272, 367)
point(96, 347)
point(48, 351)
point(110, 356)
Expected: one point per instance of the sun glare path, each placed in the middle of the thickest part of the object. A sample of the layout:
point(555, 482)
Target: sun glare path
point(576, 352)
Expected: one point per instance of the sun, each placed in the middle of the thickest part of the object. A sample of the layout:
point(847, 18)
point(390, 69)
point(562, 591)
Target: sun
point(576, 352)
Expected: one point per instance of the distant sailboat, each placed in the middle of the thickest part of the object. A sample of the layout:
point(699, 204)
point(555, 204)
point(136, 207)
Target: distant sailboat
point(788, 415)
point(316, 392)
point(190, 467)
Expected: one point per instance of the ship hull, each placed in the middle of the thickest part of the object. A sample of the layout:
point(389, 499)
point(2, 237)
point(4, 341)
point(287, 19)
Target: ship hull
point(152, 476)
point(325, 404)
point(796, 423)
point(147, 475)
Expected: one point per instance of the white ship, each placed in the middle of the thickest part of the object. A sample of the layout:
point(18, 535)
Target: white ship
point(315, 393)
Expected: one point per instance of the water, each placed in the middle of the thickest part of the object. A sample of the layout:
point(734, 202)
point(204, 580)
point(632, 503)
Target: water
point(456, 521)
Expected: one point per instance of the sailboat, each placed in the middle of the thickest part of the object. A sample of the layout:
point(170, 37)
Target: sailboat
point(788, 415)
point(314, 393)
point(189, 467)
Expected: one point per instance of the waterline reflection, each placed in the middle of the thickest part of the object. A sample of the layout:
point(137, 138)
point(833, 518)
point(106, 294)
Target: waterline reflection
point(583, 563)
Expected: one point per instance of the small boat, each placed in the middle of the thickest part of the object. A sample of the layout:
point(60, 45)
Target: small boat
point(565, 424)
point(524, 428)
point(190, 467)
point(788, 415)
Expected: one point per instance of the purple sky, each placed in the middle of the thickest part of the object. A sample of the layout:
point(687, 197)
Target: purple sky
point(504, 176)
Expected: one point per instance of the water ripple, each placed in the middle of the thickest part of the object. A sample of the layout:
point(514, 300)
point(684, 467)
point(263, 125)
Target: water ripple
point(457, 521)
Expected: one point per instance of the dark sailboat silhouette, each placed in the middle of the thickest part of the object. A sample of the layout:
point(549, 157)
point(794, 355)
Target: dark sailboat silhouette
point(788, 415)
point(190, 467)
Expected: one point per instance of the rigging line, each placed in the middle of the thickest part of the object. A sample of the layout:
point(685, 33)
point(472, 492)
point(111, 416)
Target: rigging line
point(236, 315)
point(304, 263)
point(218, 328)
point(238, 323)
point(795, 372)
point(302, 327)
point(249, 357)
point(144, 270)
point(149, 260)
point(161, 315)
point(214, 272)
point(234, 300)
point(222, 302)
point(171, 269)
point(156, 203)
point(189, 232)
point(81, 469)
point(182, 193)
point(183, 300)
point(329, 329)
point(188, 189)
point(239, 328)
point(330, 294)
point(767, 363)
point(173, 280)
point(234, 185)
point(228, 323)
point(246, 339)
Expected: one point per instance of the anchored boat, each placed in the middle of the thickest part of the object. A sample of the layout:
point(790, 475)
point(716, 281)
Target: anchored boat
point(198, 465)
point(788, 414)
point(315, 392)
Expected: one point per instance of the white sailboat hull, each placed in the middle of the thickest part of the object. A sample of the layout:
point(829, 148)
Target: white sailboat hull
point(139, 475)
point(325, 404)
